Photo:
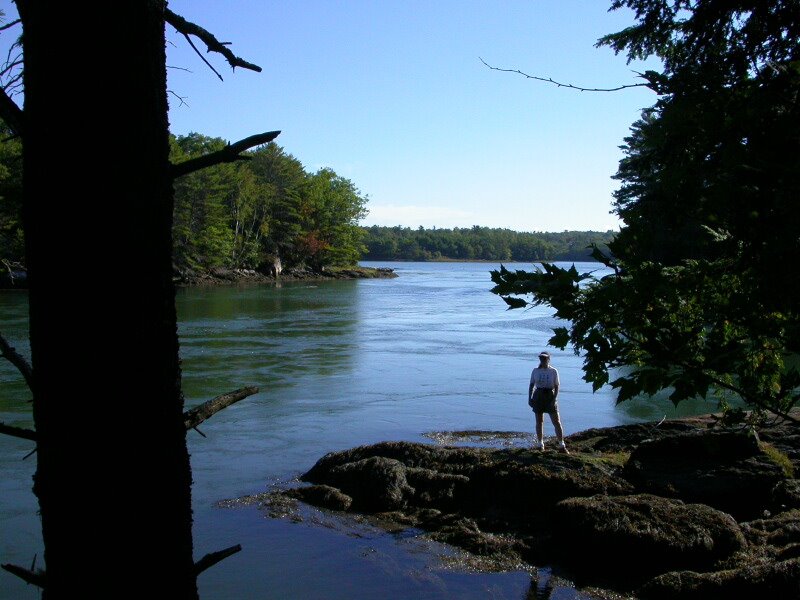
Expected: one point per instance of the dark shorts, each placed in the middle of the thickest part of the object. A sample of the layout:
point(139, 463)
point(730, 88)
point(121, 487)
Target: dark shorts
point(543, 401)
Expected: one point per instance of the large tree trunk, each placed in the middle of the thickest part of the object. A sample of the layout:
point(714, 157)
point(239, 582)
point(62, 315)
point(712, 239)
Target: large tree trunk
point(113, 470)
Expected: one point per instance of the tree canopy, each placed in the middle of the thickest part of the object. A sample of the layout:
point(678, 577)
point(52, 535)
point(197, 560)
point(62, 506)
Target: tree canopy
point(480, 243)
point(243, 214)
point(702, 297)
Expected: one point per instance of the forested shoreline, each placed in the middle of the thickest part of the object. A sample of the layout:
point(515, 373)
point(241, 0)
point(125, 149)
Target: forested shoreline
point(263, 213)
point(268, 213)
point(481, 243)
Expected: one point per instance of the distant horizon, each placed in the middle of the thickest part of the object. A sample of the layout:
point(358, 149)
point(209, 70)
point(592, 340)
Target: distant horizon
point(436, 227)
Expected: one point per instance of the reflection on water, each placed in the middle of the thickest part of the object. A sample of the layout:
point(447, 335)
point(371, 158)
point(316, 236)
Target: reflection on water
point(339, 364)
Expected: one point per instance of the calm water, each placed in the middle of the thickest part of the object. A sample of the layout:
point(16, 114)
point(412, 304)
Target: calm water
point(339, 364)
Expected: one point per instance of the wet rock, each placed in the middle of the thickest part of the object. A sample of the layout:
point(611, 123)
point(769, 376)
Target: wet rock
point(466, 534)
point(726, 470)
point(643, 534)
point(625, 438)
point(375, 484)
point(435, 489)
point(451, 460)
point(773, 580)
point(629, 504)
point(786, 495)
point(501, 486)
point(323, 496)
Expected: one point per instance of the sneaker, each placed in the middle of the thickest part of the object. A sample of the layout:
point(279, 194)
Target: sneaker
point(562, 447)
point(539, 446)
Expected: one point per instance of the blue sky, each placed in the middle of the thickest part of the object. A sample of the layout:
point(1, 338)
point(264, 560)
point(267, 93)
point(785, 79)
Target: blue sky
point(392, 95)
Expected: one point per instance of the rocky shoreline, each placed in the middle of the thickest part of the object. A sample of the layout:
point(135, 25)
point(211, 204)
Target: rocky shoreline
point(221, 276)
point(677, 509)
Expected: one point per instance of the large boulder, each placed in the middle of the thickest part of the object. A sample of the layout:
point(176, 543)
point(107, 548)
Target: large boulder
point(726, 470)
point(497, 486)
point(638, 536)
point(769, 580)
point(375, 484)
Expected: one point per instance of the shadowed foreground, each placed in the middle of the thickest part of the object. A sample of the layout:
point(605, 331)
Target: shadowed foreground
point(675, 510)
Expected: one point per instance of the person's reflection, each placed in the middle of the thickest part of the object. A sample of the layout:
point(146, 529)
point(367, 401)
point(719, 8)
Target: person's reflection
point(538, 591)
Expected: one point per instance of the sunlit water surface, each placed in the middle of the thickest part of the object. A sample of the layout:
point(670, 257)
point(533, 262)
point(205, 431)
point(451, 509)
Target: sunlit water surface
point(339, 364)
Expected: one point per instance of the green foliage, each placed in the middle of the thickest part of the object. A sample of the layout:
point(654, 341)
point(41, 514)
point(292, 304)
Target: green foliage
point(201, 236)
point(701, 298)
point(244, 214)
point(12, 242)
point(479, 243)
point(331, 214)
point(234, 215)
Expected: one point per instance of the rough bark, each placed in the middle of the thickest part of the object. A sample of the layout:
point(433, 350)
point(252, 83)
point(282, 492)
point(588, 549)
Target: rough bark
point(193, 417)
point(110, 480)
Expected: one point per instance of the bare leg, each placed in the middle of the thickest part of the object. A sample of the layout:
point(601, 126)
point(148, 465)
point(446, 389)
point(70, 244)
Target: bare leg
point(556, 419)
point(539, 427)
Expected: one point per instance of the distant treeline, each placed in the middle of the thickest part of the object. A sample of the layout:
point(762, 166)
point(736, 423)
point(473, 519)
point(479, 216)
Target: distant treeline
point(480, 243)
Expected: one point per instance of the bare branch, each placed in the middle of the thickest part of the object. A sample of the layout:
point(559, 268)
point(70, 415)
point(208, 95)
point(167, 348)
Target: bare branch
point(16, 359)
point(10, 25)
point(179, 68)
point(212, 558)
point(12, 62)
point(36, 578)
point(203, 58)
point(228, 154)
point(25, 434)
point(193, 417)
point(564, 85)
point(212, 43)
point(182, 99)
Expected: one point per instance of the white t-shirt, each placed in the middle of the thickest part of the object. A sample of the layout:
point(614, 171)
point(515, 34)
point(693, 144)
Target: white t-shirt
point(545, 378)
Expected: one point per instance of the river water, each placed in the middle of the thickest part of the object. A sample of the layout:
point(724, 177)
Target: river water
point(339, 364)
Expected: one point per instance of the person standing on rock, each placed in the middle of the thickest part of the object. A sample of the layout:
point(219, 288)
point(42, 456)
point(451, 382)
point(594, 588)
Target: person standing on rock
point(543, 398)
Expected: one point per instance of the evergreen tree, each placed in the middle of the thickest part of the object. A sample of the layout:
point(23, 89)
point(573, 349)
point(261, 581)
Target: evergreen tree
point(701, 298)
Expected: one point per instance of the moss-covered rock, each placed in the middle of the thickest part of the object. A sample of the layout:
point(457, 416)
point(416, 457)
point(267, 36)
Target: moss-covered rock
point(643, 534)
point(768, 580)
point(726, 470)
point(323, 496)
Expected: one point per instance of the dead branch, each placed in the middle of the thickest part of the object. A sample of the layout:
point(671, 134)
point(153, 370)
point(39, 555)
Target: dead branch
point(230, 153)
point(188, 28)
point(564, 85)
point(212, 558)
point(193, 417)
point(182, 99)
point(203, 58)
point(37, 578)
point(10, 25)
point(20, 432)
point(15, 358)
